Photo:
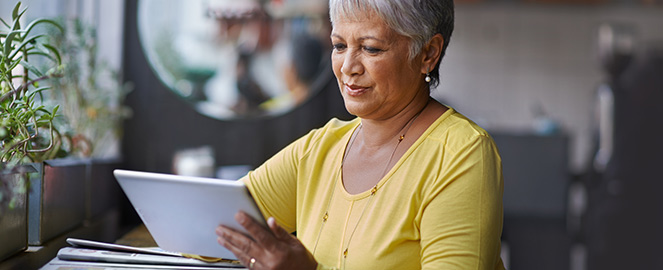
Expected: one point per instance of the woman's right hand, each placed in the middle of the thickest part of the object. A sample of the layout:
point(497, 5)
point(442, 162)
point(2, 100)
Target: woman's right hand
point(272, 248)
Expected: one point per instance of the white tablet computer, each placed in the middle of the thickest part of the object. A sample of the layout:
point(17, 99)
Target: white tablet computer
point(182, 212)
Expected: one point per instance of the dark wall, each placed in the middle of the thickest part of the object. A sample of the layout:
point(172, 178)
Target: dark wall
point(625, 213)
point(162, 123)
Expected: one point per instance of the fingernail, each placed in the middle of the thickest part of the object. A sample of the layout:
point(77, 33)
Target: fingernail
point(271, 221)
point(221, 231)
point(240, 217)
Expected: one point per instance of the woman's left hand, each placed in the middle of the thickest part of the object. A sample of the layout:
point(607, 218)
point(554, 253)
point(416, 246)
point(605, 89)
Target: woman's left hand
point(269, 249)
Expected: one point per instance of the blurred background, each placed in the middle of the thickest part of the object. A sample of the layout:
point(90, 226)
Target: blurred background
point(569, 89)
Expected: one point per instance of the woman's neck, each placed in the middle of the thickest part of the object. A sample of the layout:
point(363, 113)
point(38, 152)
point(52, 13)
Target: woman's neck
point(377, 133)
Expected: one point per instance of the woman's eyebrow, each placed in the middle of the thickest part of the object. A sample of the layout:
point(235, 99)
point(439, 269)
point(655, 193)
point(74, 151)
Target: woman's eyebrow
point(362, 38)
point(371, 37)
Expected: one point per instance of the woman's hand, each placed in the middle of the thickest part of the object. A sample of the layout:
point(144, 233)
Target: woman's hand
point(275, 249)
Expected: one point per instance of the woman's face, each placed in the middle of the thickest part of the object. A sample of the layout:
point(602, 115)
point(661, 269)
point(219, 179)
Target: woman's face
point(370, 61)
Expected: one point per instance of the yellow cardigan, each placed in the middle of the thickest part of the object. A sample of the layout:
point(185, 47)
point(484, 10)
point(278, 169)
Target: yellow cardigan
point(440, 206)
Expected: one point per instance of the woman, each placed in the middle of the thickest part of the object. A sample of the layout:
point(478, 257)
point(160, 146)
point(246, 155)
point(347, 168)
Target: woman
point(409, 184)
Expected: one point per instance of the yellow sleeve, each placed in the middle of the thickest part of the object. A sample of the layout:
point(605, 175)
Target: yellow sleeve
point(273, 186)
point(461, 222)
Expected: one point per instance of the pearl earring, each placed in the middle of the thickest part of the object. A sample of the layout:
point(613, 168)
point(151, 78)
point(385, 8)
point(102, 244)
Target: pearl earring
point(427, 79)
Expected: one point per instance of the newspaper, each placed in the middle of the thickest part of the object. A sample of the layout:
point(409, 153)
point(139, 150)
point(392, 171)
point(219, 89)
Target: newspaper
point(57, 264)
point(97, 255)
point(82, 243)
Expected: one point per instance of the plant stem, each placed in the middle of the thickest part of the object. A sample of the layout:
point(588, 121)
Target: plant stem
point(25, 86)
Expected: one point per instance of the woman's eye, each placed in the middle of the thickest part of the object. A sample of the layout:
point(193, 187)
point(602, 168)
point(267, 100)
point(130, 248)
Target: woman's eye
point(338, 47)
point(372, 50)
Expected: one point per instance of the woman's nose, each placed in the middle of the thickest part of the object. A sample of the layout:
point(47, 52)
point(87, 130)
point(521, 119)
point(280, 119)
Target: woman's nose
point(351, 65)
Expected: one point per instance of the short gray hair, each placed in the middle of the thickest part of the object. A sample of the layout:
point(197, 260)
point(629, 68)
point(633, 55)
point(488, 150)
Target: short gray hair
point(418, 20)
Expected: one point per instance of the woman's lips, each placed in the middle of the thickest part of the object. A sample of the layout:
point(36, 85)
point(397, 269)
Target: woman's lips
point(355, 90)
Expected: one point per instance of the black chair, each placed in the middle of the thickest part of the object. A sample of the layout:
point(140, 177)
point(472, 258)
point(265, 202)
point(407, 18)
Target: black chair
point(536, 181)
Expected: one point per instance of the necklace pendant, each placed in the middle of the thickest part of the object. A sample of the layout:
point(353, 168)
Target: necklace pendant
point(324, 219)
point(374, 189)
point(345, 253)
point(400, 139)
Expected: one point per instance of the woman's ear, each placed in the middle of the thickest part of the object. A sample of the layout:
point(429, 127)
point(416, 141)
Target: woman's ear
point(431, 53)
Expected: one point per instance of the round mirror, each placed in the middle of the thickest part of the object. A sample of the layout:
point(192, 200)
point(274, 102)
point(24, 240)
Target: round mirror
point(237, 59)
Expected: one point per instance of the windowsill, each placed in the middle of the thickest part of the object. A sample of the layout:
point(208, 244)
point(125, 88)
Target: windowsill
point(105, 228)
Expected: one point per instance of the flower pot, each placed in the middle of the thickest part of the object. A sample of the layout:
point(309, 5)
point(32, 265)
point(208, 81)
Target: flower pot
point(14, 211)
point(103, 191)
point(56, 199)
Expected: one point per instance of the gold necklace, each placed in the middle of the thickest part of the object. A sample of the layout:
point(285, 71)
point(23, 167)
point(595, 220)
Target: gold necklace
point(325, 217)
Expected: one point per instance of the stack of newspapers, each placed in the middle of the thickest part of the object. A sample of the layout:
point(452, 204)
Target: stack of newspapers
point(85, 254)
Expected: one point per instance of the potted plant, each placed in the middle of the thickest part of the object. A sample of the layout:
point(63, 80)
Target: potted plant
point(13, 210)
point(27, 131)
point(91, 94)
point(81, 187)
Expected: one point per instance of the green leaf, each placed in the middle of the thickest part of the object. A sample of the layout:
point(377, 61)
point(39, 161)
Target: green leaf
point(42, 20)
point(17, 7)
point(40, 89)
point(23, 44)
point(5, 23)
point(13, 65)
point(31, 68)
point(16, 17)
point(9, 41)
point(44, 122)
point(18, 25)
point(28, 100)
point(44, 112)
point(55, 52)
point(40, 53)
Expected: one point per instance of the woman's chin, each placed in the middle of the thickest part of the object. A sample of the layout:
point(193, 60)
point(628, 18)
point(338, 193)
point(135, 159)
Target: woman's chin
point(355, 108)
